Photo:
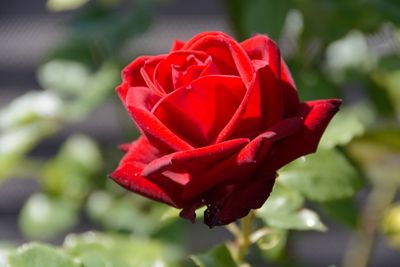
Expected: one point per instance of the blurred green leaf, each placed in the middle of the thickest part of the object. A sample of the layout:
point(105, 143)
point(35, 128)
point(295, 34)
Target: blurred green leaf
point(342, 129)
point(81, 90)
point(119, 213)
point(100, 85)
point(282, 199)
point(284, 210)
point(342, 210)
point(64, 76)
point(216, 257)
point(15, 143)
point(40, 255)
point(64, 5)
point(264, 16)
point(43, 217)
point(29, 108)
point(324, 176)
point(98, 250)
point(111, 26)
point(70, 174)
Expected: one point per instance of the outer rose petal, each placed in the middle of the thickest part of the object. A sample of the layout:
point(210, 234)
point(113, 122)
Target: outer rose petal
point(262, 48)
point(195, 160)
point(128, 174)
point(177, 45)
point(317, 115)
point(138, 101)
point(241, 166)
point(232, 202)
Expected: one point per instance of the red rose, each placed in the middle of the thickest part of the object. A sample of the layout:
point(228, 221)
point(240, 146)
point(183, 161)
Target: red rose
point(218, 118)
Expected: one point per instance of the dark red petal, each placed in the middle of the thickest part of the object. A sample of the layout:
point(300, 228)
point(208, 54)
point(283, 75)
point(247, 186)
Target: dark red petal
point(199, 111)
point(138, 102)
point(243, 165)
point(237, 200)
point(258, 148)
point(227, 54)
point(128, 174)
point(317, 115)
point(196, 159)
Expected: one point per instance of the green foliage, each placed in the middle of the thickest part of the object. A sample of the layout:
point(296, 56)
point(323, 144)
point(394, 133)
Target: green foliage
point(324, 176)
point(284, 210)
point(40, 255)
point(91, 250)
point(216, 257)
point(23, 123)
point(70, 174)
point(43, 217)
point(95, 250)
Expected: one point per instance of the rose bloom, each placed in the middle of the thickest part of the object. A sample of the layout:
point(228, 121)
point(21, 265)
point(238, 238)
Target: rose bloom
point(217, 119)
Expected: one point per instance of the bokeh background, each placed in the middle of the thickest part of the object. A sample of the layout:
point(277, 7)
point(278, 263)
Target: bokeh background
point(60, 122)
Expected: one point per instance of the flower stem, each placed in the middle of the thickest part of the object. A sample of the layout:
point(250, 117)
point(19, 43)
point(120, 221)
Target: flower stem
point(245, 242)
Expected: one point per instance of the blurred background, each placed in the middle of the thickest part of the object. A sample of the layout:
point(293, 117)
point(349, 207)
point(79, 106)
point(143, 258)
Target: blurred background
point(61, 123)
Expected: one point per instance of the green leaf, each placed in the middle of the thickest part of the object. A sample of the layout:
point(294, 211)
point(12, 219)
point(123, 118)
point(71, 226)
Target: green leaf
point(284, 210)
point(264, 16)
point(40, 255)
point(98, 250)
point(343, 210)
point(216, 257)
point(30, 108)
point(342, 129)
point(304, 219)
point(64, 76)
point(43, 217)
point(118, 213)
point(71, 173)
point(324, 176)
point(282, 199)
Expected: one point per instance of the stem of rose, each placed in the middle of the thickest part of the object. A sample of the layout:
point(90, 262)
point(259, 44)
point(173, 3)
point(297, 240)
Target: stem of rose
point(242, 236)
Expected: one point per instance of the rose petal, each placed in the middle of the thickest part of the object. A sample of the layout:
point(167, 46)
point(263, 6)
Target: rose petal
point(198, 112)
point(138, 102)
point(259, 147)
point(242, 165)
point(227, 54)
point(131, 73)
point(128, 175)
point(148, 70)
point(317, 115)
point(163, 71)
point(237, 200)
point(196, 159)
point(177, 45)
